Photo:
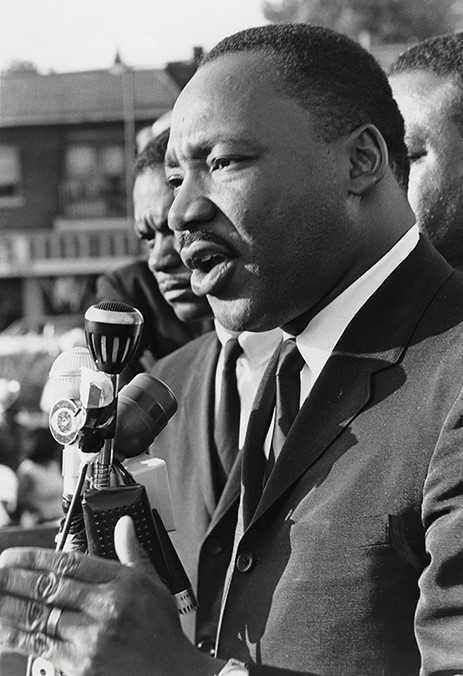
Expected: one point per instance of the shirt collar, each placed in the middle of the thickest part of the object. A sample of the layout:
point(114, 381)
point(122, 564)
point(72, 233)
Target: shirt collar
point(320, 336)
point(258, 347)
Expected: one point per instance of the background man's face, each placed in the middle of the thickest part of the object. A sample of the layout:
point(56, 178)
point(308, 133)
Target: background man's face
point(152, 199)
point(435, 147)
point(259, 204)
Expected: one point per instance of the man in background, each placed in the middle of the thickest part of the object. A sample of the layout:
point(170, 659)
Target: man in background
point(158, 286)
point(427, 83)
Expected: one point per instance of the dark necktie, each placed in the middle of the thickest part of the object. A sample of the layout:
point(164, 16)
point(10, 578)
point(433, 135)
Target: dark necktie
point(285, 386)
point(228, 415)
point(288, 392)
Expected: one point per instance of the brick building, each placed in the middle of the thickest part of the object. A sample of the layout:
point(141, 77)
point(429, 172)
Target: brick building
point(67, 143)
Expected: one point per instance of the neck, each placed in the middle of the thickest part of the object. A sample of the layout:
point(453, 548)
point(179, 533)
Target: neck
point(379, 238)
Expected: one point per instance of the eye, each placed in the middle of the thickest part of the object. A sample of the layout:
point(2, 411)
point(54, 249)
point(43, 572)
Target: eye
point(146, 234)
point(222, 163)
point(415, 155)
point(174, 182)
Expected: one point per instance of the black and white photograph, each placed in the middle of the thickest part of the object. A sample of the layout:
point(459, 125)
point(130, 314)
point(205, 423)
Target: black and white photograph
point(231, 338)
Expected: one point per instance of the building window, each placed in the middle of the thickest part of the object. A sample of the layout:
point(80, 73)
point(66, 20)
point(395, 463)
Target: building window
point(94, 184)
point(10, 177)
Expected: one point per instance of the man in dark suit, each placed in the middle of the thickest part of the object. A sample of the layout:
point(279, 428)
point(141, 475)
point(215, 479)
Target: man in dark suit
point(175, 316)
point(427, 81)
point(289, 172)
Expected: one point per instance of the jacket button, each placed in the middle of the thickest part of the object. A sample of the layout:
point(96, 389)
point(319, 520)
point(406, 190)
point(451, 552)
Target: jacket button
point(206, 646)
point(244, 562)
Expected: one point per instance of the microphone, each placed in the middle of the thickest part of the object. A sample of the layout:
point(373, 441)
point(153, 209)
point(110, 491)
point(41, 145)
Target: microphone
point(61, 398)
point(145, 406)
point(112, 331)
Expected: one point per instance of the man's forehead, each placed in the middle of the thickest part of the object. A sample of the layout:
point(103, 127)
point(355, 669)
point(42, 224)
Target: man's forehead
point(424, 85)
point(237, 78)
point(426, 100)
point(227, 102)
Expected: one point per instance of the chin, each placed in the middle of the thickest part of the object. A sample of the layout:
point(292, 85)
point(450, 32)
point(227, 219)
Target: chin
point(242, 315)
point(191, 311)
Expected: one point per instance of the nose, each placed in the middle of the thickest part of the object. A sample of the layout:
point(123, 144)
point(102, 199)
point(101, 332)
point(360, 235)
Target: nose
point(190, 208)
point(163, 255)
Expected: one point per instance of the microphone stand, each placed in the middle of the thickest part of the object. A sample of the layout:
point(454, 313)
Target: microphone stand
point(105, 460)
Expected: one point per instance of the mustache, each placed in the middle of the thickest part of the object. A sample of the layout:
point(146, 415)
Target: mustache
point(186, 239)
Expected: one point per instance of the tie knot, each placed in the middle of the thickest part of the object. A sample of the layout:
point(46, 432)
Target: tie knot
point(290, 360)
point(231, 351)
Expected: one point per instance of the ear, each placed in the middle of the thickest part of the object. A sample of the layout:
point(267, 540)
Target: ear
point(369, 158)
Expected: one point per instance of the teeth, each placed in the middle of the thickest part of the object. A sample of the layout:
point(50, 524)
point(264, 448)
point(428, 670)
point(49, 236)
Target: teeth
point(207, 261)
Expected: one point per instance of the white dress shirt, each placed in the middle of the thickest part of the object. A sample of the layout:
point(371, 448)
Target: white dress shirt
point(250, 366)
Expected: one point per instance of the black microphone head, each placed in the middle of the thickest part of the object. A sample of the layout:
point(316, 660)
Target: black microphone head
point(113, 331)
point(144, 407)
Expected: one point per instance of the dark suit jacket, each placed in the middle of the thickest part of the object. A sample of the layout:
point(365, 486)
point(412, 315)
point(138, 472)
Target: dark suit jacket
point(187, 445)
point(353, 563)
point(163, 332)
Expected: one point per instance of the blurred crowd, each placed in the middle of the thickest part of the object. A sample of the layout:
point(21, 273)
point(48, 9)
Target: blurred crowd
point(30, 468)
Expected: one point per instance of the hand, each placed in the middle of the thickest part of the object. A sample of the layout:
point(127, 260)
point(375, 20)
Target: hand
point(114, 618)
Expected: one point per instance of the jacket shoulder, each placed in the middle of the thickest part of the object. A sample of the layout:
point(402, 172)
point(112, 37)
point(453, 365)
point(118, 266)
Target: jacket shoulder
point(187, 359)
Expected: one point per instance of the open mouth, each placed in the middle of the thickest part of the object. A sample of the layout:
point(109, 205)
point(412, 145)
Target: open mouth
point(207, 262)
point(204, 256)
point(211, 264)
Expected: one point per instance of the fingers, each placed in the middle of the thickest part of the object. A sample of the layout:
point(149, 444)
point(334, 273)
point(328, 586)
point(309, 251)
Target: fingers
point(37, 618)
point(63, 637)
point(52, 590)
point(16, 639)
point(63, 655)
point(68, 564)
point(74, 610)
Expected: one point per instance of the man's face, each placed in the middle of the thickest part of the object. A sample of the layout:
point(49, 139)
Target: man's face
point(152, 199)
point(435, 147)
point(260, 201)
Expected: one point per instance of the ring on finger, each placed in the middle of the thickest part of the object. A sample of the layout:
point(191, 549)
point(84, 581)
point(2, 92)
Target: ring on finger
point(37, 616)
point(47, 584)
point(51, 628)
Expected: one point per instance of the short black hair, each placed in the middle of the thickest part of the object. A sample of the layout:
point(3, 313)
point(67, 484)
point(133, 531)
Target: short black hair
point(332, 76)
point(442, 55)
point(152, 155)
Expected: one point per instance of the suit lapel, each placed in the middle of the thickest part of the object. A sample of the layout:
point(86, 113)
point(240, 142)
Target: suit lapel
point(334, 402)
point(374, 341)
point(200, 419)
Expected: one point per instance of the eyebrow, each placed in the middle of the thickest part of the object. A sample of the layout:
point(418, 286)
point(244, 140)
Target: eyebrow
point(201, 149)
